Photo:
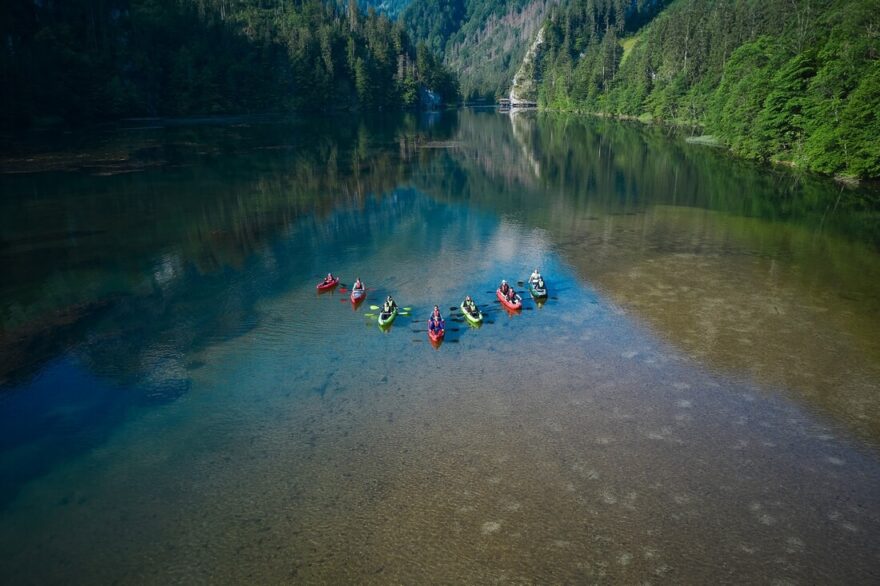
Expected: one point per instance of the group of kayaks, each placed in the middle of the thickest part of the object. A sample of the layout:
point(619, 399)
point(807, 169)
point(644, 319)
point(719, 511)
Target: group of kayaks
point(357, 295)
point(437, 329)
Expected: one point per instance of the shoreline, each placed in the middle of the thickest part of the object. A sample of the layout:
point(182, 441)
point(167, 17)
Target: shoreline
point(648, 120)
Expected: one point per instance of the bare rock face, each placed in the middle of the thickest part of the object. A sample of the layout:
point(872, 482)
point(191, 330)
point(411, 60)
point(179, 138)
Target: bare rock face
point(524, 91)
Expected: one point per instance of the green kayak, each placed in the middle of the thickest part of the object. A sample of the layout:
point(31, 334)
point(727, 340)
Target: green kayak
point(385, 319)
point(537, 291)
point(474, 319)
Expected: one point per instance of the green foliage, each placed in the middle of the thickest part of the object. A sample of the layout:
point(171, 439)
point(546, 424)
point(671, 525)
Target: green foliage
point(779, 124)
point(791, 80)
point(81, 61)
point(740, 96)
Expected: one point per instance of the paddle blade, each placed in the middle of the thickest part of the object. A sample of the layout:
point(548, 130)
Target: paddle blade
point(374, 307)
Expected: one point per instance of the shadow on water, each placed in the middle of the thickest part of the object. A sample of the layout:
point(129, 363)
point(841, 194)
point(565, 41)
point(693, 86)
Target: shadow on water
point(72, 244)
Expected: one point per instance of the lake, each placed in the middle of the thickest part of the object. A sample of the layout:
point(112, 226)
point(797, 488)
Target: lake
point(697, 401)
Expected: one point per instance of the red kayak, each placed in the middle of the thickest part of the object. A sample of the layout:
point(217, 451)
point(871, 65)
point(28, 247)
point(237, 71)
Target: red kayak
point(358, 295)
point(514, 305)
point(322, 286)
point(436, 335)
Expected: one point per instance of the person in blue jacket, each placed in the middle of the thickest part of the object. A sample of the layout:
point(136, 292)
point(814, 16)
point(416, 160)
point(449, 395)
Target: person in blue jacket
point(435, 322)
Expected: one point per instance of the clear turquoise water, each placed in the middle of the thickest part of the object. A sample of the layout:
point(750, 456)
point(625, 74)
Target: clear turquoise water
point(697, 402)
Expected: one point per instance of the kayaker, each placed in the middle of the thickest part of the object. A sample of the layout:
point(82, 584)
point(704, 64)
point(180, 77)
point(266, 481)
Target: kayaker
point(504, 287)
point(511, 294)
point(329, 278)
point(535, 276)
point(470, 306)
point(435, 322)
point(390, 304)
point(540, 282)
point(358, 284)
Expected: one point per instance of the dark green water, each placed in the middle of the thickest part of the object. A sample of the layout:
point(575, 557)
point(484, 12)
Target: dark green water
point(697, 402)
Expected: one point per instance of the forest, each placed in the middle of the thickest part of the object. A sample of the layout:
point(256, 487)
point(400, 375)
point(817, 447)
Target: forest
point(791, 81)
point(81, 61)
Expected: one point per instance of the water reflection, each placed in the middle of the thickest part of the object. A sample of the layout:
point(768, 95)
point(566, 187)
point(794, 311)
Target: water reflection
point(182, 406)
point(119, 280)
point(74, 244)
point(760, 273)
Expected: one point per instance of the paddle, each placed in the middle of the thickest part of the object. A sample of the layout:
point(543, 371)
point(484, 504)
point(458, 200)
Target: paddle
point(399, 309)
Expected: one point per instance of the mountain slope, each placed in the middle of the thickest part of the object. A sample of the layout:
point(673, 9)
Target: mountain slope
point(482, 40)
point(796, 81)
point(487, 57)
